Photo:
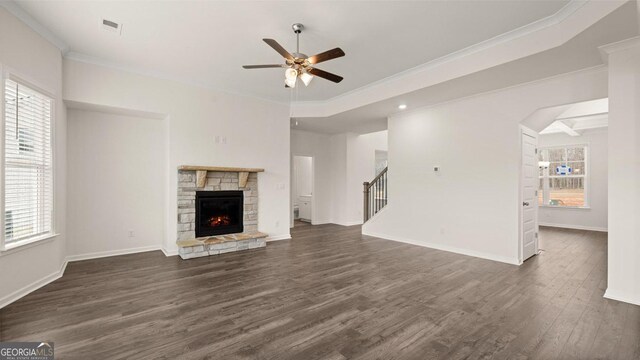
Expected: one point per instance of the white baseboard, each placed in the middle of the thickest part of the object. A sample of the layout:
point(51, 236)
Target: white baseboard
point(22, 292)
point(101, 254)
point(58, 274)
point(279, 237)
point(348, 223)
point(452, 249)
point(168, 252)
point(575, 227)
point(619, 296)
point(320, 222)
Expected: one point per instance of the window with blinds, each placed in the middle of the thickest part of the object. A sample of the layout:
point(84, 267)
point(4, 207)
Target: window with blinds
point(28, 176)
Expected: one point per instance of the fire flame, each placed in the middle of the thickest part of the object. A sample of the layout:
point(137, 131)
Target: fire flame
point(219, 221)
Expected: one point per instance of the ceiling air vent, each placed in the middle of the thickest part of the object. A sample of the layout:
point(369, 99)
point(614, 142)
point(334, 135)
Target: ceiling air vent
point(112, 26)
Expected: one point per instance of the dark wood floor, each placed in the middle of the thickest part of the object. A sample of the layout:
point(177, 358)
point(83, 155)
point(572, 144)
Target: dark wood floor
point(333, 294)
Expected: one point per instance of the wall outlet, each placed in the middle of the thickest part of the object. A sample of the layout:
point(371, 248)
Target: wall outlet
point(280, 186)
point(132, 233)
point(277, 223)
point(217, 139)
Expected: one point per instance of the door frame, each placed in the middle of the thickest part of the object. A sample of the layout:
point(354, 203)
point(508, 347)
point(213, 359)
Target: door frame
point(295, 184)
point(525, 131)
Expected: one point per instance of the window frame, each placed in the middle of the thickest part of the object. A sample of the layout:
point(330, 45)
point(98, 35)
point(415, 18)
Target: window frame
point(9, 74)
point(586, 176)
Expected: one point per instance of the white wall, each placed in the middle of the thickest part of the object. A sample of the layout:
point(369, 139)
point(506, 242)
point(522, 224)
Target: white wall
point(316, 145)
point(303, 171)
point(251, 133)
point(361, 155)
point(624, 172)
point(595, 217)
point(342, 163)
point(117, 174)
point(31, 57)
point(471, 206)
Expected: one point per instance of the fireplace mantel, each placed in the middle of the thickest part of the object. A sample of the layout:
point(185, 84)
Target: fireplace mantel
point(201, 172)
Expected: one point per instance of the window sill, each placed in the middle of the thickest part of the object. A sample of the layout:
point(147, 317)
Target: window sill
point(26, 244)
point(565, 207)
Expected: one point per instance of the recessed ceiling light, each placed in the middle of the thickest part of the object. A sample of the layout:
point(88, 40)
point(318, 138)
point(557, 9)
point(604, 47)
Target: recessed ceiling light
point(402, 107)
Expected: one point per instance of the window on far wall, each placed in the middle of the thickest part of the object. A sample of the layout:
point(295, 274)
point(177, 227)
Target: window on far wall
point(563, 176)
point(28, 173)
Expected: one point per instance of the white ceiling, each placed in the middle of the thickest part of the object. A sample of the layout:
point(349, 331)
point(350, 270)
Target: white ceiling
point(206, 42)
point(581, 52)
point(580, 116)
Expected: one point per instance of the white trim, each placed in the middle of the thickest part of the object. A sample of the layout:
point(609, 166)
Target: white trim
point(320, 222)
point(16, 246)
point(278, 237)
point(452, 249)
point(28, 20)
point(348, 223)
point(586, 175)
point(86, 59)
point(26, 290)
point(607, 49)
point(7, 73)
point(619, 296)
point(102, 254)
point(169, 253)
point(532, 133)
point(565, 207)
point(575, 227)
point(531, 39)
point(538, 25)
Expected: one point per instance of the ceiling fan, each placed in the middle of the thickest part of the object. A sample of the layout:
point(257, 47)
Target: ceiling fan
point(299, 65)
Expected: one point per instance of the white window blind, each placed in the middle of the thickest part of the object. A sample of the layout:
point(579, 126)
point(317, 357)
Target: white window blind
point(28, 177)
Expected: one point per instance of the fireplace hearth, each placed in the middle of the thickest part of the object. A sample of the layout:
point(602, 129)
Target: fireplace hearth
point(218, 213)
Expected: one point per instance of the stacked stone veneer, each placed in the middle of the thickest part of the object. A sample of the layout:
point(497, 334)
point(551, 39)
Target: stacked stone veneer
point(220, 244)
point(216, 180)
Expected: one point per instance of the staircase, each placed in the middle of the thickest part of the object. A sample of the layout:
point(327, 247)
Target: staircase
point(375, 195)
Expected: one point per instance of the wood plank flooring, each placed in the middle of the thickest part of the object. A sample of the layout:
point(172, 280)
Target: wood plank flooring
point(331, 293)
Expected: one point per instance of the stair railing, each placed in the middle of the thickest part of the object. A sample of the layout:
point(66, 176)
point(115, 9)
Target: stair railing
point(375, 195)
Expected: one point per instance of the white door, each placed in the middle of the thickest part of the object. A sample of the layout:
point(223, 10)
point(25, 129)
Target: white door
point(530, 182)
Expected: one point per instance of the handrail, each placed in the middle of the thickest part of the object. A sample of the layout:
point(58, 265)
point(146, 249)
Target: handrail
point(383, 172)
point(375, 200)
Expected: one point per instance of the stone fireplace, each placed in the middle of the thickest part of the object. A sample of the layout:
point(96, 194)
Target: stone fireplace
point(219, 213)
point(217, 210)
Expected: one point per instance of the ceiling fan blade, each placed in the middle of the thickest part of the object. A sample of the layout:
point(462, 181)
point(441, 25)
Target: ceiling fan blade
point(327, 55)
point(277, 47)
point(263, 66)
point(325, 75)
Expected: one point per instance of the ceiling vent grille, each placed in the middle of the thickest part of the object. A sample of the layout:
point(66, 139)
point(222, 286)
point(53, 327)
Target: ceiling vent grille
point(112, 26)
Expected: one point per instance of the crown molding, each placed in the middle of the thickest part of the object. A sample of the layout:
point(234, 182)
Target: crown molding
point(606, 50)
point(79, 57)
point(18, 12)
point(542, 35)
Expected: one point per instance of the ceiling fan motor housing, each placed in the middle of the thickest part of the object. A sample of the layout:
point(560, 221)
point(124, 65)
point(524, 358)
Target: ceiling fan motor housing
point(297, 28)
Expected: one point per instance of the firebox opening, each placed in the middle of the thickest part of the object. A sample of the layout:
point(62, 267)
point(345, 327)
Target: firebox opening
point(219, 212)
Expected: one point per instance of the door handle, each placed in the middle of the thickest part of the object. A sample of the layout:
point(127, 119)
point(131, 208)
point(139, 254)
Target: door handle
point(525, 204)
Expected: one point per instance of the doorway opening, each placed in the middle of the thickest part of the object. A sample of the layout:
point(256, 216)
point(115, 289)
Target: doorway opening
point(302, 188)
point(571, 173)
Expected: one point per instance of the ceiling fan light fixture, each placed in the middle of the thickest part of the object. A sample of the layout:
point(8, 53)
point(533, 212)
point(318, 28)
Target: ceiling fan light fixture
point(306, 78)
point(291, 74)
point(298, 65)
point(290, 82)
